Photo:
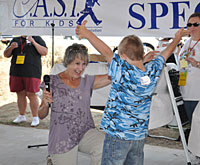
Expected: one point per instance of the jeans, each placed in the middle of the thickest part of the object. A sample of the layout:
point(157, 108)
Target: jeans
point(189, 108)
point(122, 152)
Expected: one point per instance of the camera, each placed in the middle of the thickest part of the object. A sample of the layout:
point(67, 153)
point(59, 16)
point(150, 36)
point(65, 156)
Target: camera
point(27, 41)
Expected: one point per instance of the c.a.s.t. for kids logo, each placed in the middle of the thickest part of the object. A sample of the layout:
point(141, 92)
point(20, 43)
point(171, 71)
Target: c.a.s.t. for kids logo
point(42, 13)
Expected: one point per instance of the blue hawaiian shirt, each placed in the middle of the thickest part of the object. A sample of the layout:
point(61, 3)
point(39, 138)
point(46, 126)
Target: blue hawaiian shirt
point(127, 110)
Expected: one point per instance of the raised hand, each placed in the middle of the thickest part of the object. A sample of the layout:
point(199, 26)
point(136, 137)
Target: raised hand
point(30, 38)
point(47, 97)
point(14, 45)
point(181, 33)
point(81, 30)
point(150, 55)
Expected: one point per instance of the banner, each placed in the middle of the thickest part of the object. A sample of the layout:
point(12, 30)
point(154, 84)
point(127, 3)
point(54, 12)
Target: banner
point(148, 18)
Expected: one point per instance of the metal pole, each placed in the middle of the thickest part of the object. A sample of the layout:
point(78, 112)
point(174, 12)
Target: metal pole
point(52, 63)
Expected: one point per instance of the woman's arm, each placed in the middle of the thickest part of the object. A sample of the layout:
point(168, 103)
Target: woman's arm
point(43, 110)
point(101, 81)
point(99, 45)
point(44, 106)
point(193, 62)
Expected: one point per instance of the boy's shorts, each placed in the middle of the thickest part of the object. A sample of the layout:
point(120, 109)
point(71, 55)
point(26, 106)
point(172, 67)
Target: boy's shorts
point(30, 84)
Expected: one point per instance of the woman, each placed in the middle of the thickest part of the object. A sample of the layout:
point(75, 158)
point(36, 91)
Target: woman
point(190, 78)
point(72, 128)
point(190, 65)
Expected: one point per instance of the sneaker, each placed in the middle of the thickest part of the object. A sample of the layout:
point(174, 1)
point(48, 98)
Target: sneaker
point(35, 122)
point(19, 119)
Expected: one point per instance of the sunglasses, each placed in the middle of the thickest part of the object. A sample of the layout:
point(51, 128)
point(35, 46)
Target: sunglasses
point(194, 24)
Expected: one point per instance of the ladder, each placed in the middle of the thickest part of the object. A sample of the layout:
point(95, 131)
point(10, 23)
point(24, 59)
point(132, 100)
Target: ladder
point(175, 108)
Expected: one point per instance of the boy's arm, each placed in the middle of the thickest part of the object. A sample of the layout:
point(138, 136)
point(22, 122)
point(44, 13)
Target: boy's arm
point(99, 45)
point(178, 36)
point(150, 56)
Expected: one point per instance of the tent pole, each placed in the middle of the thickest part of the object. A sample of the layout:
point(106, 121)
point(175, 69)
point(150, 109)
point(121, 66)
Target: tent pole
point(52, 63)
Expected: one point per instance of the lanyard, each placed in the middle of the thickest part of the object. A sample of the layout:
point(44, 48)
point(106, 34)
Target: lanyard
point(190, 49)
point(22, 45)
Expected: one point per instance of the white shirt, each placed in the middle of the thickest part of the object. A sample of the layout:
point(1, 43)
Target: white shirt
point(191, 91)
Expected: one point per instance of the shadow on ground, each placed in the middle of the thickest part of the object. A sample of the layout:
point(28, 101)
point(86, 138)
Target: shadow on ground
point(9, 111)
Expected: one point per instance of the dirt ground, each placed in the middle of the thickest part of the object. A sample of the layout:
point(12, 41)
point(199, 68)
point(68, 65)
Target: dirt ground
point(8, 112)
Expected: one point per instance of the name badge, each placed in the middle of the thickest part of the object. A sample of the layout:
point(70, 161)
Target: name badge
point(182, 78)
point(20, 59)
point(183, 63)
point(145, 80)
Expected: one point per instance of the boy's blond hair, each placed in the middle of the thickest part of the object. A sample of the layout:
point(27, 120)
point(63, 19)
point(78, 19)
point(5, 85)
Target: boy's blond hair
point(132, 47)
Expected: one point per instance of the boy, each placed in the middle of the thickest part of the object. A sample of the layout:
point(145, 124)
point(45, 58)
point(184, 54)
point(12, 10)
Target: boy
point(126, 115)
